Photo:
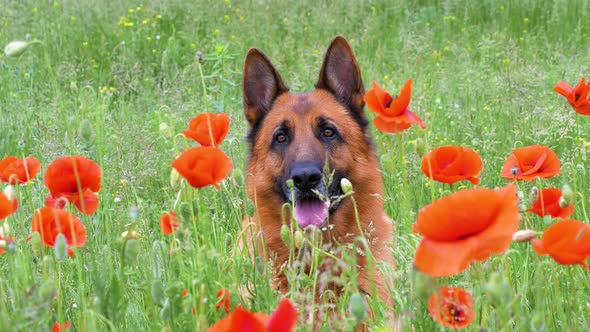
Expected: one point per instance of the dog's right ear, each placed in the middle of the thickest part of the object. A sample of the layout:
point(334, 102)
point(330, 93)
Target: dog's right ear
point(261, 85)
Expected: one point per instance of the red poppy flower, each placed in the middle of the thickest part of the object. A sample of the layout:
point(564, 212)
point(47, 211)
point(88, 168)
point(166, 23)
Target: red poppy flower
point(75, 178)
point(203, 166)
point(8, 206)
point(168, 222)
point(207, 126)
point(17, 171)
point(450, 164)
point(283, 319)
point(452, 307)
point(466, 226)
point(548, 204)
point(50, 222)
point(393, 115)
point(57, 327)
point(224, 297)
point(531, 162)
point(577, 96)
point(567, 241)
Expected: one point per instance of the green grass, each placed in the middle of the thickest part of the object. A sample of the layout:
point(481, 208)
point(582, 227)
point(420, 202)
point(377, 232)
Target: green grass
point(483, 77)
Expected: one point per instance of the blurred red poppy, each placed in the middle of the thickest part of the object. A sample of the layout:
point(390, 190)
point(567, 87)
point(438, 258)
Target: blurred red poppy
point(283, 319)
point(224, 297)
point(168, 222)
point(576, 96)
point(452, 307)
point(207, 126)
point(17, 171)
point(566, 241)
point(451, 164)
point(547, 203)
point(203, 166)
point(76, 179)
point(467, 226)
point(49, 222)
point(393, 115)
point(531, 162)
point(8, 205)
point(57, 327)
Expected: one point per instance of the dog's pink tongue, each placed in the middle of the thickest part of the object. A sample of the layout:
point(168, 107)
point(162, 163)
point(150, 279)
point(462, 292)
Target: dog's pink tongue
point(312, 212)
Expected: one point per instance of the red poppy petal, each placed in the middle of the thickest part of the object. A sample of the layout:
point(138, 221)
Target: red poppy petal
point(283, 318)
point(389, 127)
point(400, 104)
point(87, 202)
point(563, 89)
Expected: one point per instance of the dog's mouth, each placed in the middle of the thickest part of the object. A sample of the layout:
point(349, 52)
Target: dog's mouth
point(313, 208)
point(311, 211)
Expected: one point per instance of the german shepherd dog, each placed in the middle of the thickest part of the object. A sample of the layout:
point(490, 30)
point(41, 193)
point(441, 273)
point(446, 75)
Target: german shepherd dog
point(292, 137)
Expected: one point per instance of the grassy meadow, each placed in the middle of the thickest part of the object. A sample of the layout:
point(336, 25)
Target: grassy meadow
point(106, 74)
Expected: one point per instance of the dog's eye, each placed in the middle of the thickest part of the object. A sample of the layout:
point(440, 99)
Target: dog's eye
point(328, 132)
point(280, 138)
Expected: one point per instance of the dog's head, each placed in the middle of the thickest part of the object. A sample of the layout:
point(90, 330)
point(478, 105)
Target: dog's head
point(307, 138)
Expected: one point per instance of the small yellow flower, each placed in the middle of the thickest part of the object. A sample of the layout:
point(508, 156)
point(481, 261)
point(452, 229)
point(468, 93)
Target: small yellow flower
point(131, 11)
point(128, 24)
point(85, 44)
point(159, 17)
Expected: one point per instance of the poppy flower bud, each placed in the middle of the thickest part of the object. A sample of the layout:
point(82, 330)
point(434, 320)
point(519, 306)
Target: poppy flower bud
point(568, 196)
point(346, 186)
point(290, 184)
point(534, 194)
point(87, 132)
point(547, 219)
point(174, 179)
point(497, 289)
point(524, 235)
point(158, 292)
point(4, 230)
point(357, 307)
point(185, 211)
point(299, 239)
point(286, 235)
point(165, 130)
point(60, 247)
point(36, 243)
point(16, 48)
point(131, 250)
point(129, 235)
point(420, 147)
point(10, 192)
point(563, 203)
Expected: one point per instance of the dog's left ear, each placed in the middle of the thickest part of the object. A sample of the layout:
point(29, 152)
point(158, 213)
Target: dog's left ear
point(340, 74)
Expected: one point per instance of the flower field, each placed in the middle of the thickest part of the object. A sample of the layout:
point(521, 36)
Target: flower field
point(123, 146)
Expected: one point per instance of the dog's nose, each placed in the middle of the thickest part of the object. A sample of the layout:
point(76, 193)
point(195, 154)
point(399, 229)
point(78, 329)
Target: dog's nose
point(306, 174)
